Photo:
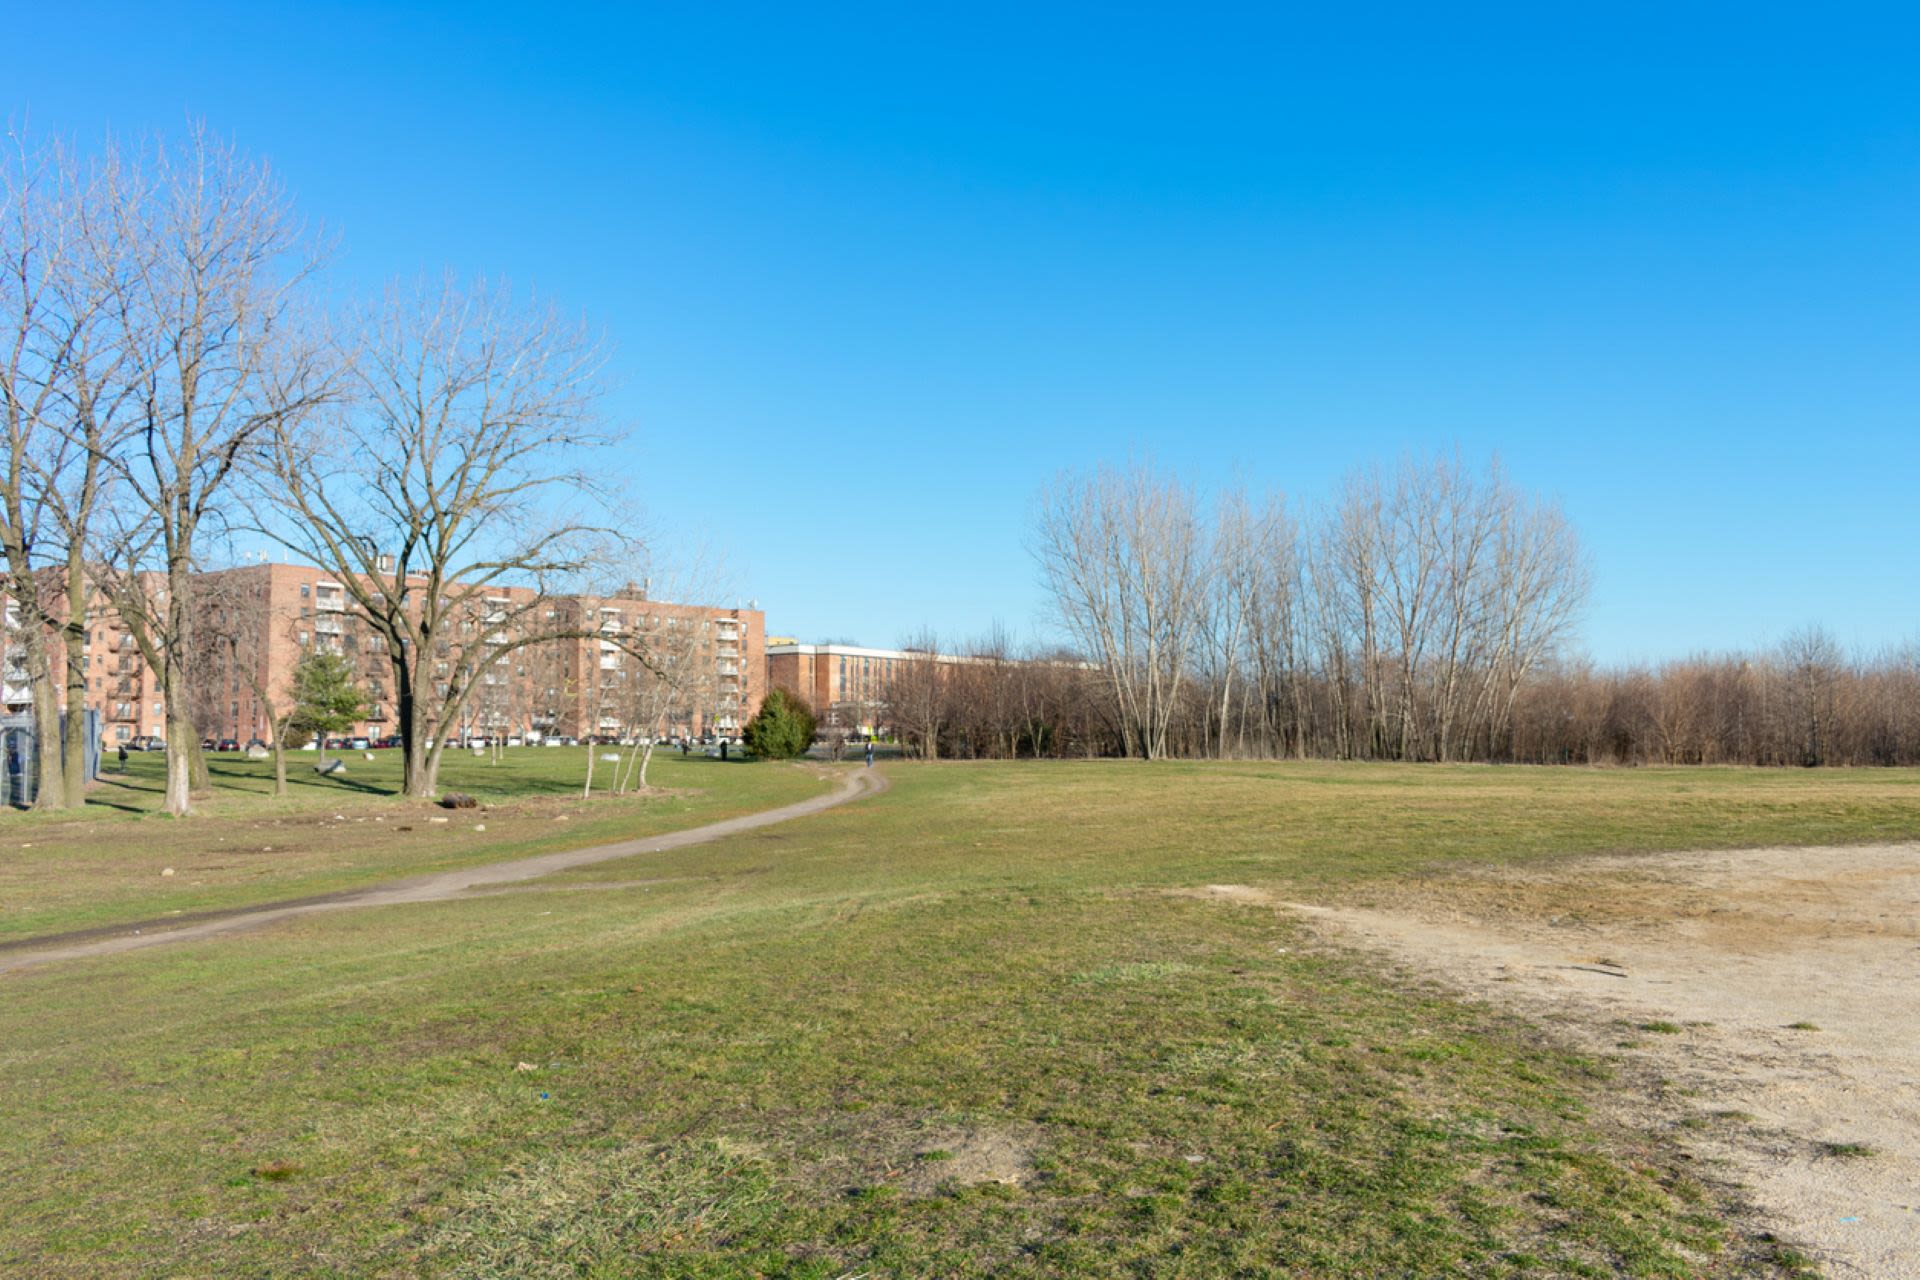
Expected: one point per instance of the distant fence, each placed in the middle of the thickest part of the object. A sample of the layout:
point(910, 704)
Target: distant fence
point(20, 751)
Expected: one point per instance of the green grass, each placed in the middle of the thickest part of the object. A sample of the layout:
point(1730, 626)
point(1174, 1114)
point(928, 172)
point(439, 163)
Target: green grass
point(748, 1058)
point(1847, 1150)
point(106, 865)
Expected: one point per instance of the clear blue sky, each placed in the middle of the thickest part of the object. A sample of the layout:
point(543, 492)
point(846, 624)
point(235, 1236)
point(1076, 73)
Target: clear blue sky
point(899, 265)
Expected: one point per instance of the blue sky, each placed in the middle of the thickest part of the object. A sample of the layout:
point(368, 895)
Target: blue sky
point(873, 275)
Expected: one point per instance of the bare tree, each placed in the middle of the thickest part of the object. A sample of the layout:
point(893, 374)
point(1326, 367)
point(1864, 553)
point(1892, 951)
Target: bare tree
point(916, 695)
point(1813, 664)
point(1226, 608)
point(1276, 628)
point(64, 394)
point(679, 670)
point(450, 496)
point(36, 249)
point(1122, 555)
point(221, 365)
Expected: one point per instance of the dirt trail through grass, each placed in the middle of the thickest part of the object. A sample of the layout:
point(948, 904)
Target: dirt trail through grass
point(440, 887)
point(1768, 1002)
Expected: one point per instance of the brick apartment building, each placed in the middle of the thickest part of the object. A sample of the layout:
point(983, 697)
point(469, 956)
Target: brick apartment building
point(256, 622)
point(845, 684)
point(120, 686)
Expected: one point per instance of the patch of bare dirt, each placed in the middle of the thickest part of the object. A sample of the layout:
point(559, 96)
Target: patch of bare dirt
point(966, 1157)
point(918, 1156)
point(1776, 990)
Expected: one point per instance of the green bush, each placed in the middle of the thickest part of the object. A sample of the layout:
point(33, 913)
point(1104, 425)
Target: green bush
point(783, 727)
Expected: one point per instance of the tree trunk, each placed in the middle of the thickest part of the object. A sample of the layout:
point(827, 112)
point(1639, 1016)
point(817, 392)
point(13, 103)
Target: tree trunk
point(646, 758)
point(179, 755)
point(279, 759)
point(197, 762)
point(418, 781)
point(183, 742)
point(430, 771)
point(74, 635)
point(49, 787)
point(586, 792)
point(413, 741)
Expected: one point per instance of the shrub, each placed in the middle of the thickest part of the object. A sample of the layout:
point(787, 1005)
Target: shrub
point(782, 728)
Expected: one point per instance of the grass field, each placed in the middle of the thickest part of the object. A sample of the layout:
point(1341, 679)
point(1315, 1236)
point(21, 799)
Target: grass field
point(963, 1028)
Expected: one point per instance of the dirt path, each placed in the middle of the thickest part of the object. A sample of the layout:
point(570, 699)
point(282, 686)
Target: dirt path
point(433, 888)
point(1777, 991)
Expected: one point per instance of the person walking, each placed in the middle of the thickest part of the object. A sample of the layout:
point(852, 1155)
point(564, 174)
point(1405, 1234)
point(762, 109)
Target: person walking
point(869, 753)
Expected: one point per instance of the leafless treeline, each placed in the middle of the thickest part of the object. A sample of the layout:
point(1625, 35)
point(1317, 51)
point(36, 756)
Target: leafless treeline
point(1402, 623)
point(1804, 702)
point(1424, 615)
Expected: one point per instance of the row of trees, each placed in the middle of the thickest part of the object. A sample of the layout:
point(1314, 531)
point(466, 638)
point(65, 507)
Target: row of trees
point(1401, 623)
point(172, 375)
point(1804, 702)
point(1423, 615)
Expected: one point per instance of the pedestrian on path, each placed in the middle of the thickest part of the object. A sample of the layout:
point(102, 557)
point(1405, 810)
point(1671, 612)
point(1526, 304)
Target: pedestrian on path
point(869, 753)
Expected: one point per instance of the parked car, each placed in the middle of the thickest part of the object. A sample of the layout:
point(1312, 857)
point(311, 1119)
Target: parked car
point(392, 740)
point(228, 744)
point(147, 742)
point(359, 744)
point(516, 742)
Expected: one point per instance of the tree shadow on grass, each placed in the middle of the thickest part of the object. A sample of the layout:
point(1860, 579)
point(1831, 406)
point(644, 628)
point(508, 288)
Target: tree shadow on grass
point(243, 780)
point(106, 789)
